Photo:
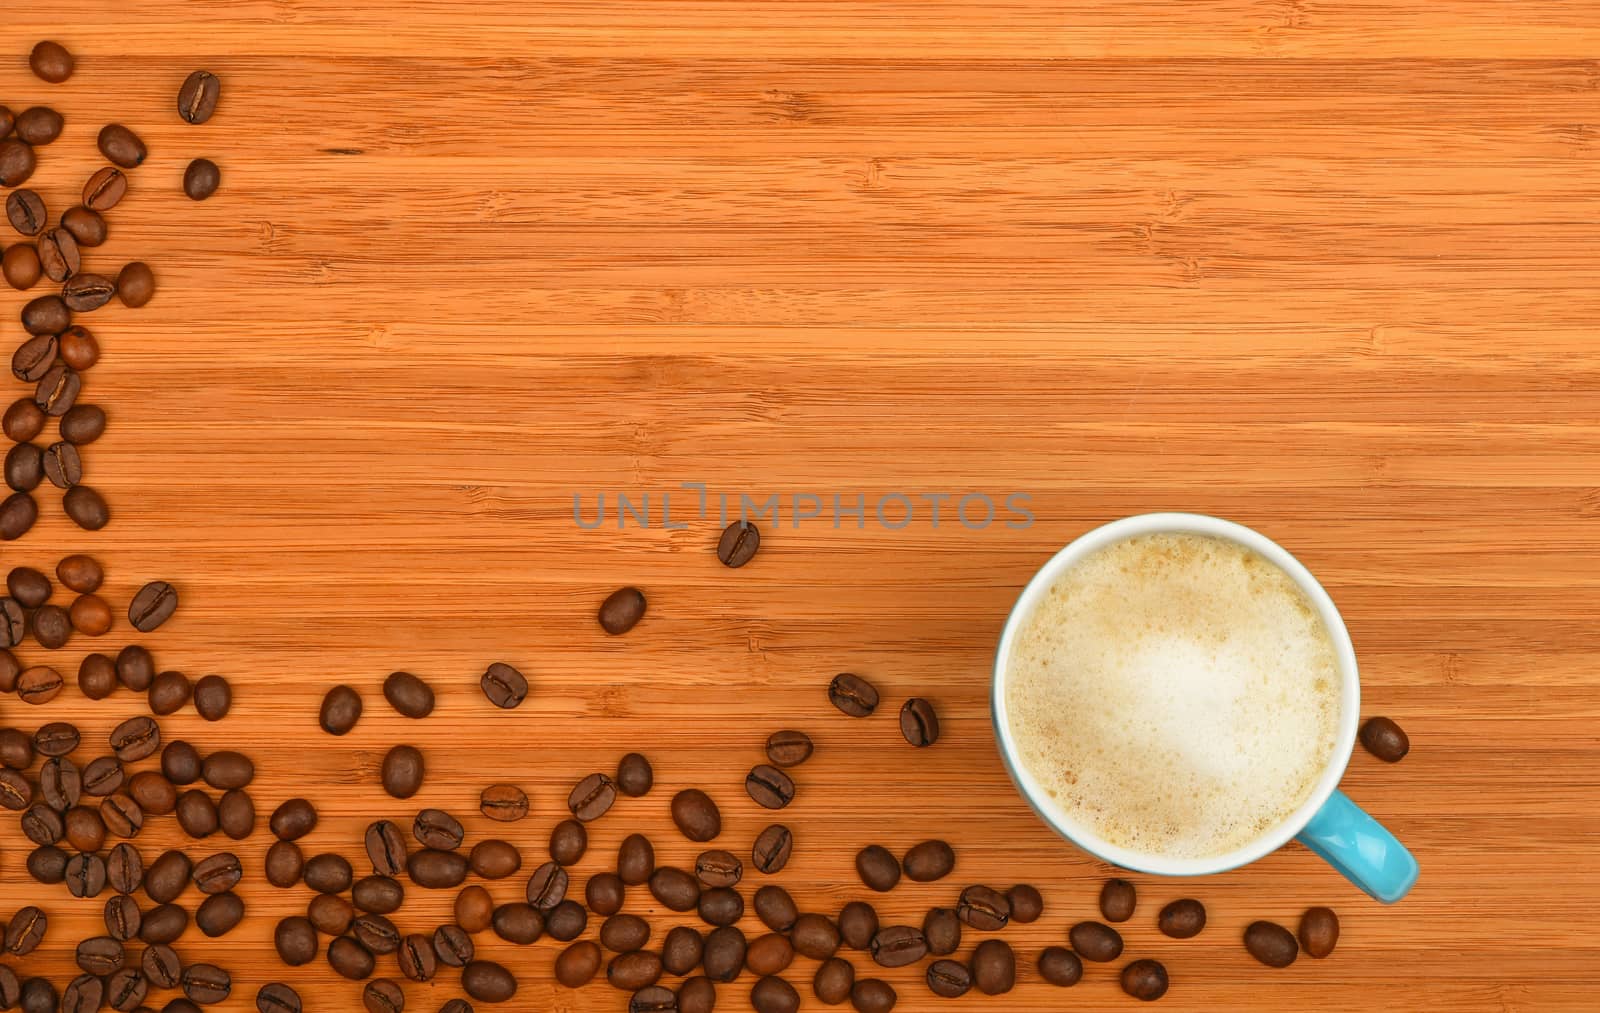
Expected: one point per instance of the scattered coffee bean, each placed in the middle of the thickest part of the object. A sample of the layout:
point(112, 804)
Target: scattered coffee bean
point(350, 959)
point(682, 950)
point(725, 951)
point(136, 738)
point(15, 791)
point(493, 859)
point(24, 419)
point(948, 978)
point(13, 627)
point(568, 841)
point(718, 868)
point(1026, 904)
point(772, 848)
point(83, 994)
point(201, 179)
point(853, 695)
point(653, 999)
point(39, 126)
point(435, 828)
point(566, 921)
point(776, 908)
point(697, 995)
point(788, 748)
point(20, 265)
point(474, 909)
point(386, 847)
point(341, 709)
point(377, 933)
point(136, 669)
point(402, 771)
point(1270, 943)
point(929, 861)
point(102, 776)
point(212, 697)
point(942, 928)
point(1095, 941)
point(59, 257)
point(90, 615)
point(60, 784)
point(161, 967)
point(276, 997)
point(592, 797)
point(814, 936)
point(505, 803)
point(674, 888)
point(1182, 919)
point(293, 819)
point(636, 859)
point(47, 864)
point(236, 814)
point(1385, 739)
point(57, 738)
point(695, 815)
point(504, 686)
point(1060, 966)
point(984, 909)
point(578, 964)
point(180, 762)
point(858, 923)
point(153, 605)
point(382, 995)
point(918, 722)
point(432, 869)
point(769, 954)
point(873, 995)
point(604, 893)
point(769, 787)
point(99, 955)
point(416, 957)
point(163, 924)
point(633, 971)
point(898, 945)
point(97, 676)
point(83, 423)
point(408, 694)
point(50, 61)
point(122, 816)
point(833, 981)
point(220, 914)
point(295, 939)
point(52, 626)
point(622, 610)
point(1319, 931)
point(624, 933)
point(88, 227)
point(197, 98)
point(121, 146)
point(1145, 980)
point(154, 793)
point(17, 162)
point(122, 917)
point(86, 292)
point(720, 905)
point(26, 212)
point(878, 868)
point(635, 776)
point(774, 995)
point(738, 544)
point(19, 511)
point(222, 872)
point(48, 314)
point(226, 769)
point(378, 895)
point(105, 190)
point(452, 946)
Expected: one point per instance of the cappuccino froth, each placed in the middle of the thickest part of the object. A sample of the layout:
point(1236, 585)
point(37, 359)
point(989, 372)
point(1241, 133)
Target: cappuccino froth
point(1176, 694)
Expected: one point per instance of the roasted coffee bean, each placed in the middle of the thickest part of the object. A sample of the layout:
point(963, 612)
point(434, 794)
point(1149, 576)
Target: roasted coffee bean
point(329, 873)
point(17, 162)
point(503, 802)
point(504, 686)
point(873, 995)
point(696, 816)
point(180, 762)
point(26, 211)
point(929, 861)
point(518, 923)
point(163, 924)
point(604, 893)
point(197, 98)
point(20, 264)
point(674, 888)
point(161, 967)
point(622, 610)
point(435, 828)
point(984, 909)
point(578, 964)
point(681, 950)
point(78, 349)
point(994, 967)
point(772, 848)
point(30, 362)
point(1319, 931)
point(1182, 919)
point(47, 864)
point(152, 605)
point(486, 981)
point(452, 946)
point(1270, 943)
point(408, 694)
point(1145, 980)
point(83, 994)
point(52, 627)
point(86, 507)
point(566, 921)
point(1026, 903)
point(402, 771)
point(379, 895)
point(169, 691)
point(592, 797)
point(15, 790)
point(1385, 739)
point(858, 923)
point(341, 708)
point(122, 816)
point(624, 933)
point(222, 872)
point(547, 887)
point(718, 868)
point(105, 189)
point(197, 814)
point(568, 841)
point(948, 978)
point(154, 793)
point(284, 864)
point(493, 859)
point(136, 669)
point(122, 917)
point(26, 931)
point(167, 876)
point(853, 695)
point(60, 784)
point(201, 179)
point(376, 933)
point(121, 146)
point(85, 830)
point(633, 971)
point(59, 257)
point(135, 739)
point(276, 997)
point(774, 995)
point(776, 908)
point(1117, 901)
point(653, 999)
point(16, 747)
point(125, 868)
point(86, 292)
point(50, 61)
point(769, 954)
point(350, 959)
point(24, 419)
point(432, 869)
point(83, 423)
point(57, 391)
point(814, 936)
point(1094, 941)
point(738, 544)
point(293, 819)
point(218, 915)
point(386, 847)
point(226, 768)
point(634, 775)
point(898, 945)
point(383, 996)
point(24, 469)
point(918, 722)
point(1060, 966)
point(38, 126)
point(636, 859)
point(332, 915)
point(89, 614)
point(48, 314)
point(102, 776)
point(878, 868)
point(697, 995)
point(942, 928)
point(87, 227)
point(416, 957)
point(725, 952)
point(788, 748)
point(769, 787)
point(213, 697)
point(720, 905)
point(57, 738)
point(833, 981)
point(474, 909)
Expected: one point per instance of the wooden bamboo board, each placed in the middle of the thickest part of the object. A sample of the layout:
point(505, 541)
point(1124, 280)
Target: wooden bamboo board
point(1327, 269)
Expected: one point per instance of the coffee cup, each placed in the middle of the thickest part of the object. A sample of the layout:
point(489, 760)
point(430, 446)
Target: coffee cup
point(1301, 715)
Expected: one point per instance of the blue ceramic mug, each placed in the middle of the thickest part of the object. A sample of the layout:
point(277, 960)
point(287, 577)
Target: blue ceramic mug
point(1328, 822)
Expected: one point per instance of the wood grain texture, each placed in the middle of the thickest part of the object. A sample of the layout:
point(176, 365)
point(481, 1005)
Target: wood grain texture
point(1327, 269)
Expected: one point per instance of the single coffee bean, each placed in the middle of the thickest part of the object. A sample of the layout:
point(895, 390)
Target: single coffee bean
point(167, 876)
point(136, 738)
point(769, 787)
point(402, 771)
point(578, 964)
point(674, 888)
point(99, 955)
point(776, 908)
point(26, 931)
point(24, 419)
point(432, 869)
point(505, 803)
point(10, 738)
point(48, 314)
point(942, 928)
point(833, 981)
point(386, 847)
point(1385, 739)
point(853, 695)
point(276, 997)
point(416, 957)
point(31, 361)
point(226, 769)
point(682, 950)
point(52, 626)
point(653, 999)
point(769, 954)
point(38, 126)
point(341, 708)
point(788, 748)
point(332, 915)
point(592, 797)
point(20, 265)
point(105, 189)
point(929, 861)
point(1182, 919)
point(984, 909)
point(212, 697)
point(878, 868)
point(83, 994)
point(814, 936)
point(24, 468)
point(201, 179)
point(918, 722)
point(163, 924)
point(636, 859)
point(738, 544)
point(518, 923)
point(604, 893)
point(382, 995)
point(772, 848)
point(634, 775)
point(180, 762)
point(1145, 980)
point(873, 995)
point(452, 946)
point(197, 814)
point(293, 819)
point(622, 610)
point(17, 162)
point(85, 830)
point(1026, 904)
point(1270, 943)
point(408, 694)
point(153, 605)
point(86, 507)
point(102, 776)
point(83, 423)
point(898, 945)
point(161, 967)
point(566, 921)
point(1094, 941)
point(15, 790)
point(57, 738)
point(57, 391)
point(1117, 900)
point(725, 952)
point(122, 816)
point(59, 257)
point(1319, 931)
point(50, 61)
point(154, 793)
point(720, 905)
point(350, 959)
point(136, 669)
point(60, 784)
point(26, 212)
point(121, 146)
point(994, 967)
point(97, 676)
point(125, 868)
point(222, 872)
point(547, 887)
point(122, 917)
point(695, 815)
point(504, 686)
point(486, 981)
point(328, 873)
point(87, 227)
point(948, 978)
point(494, 859)
point(218, 915)
point(718, 868)
point(697, 995)
point(435, 828)
point(47, 864)
point(858, 923)
point(774, 995)
point(197, 98)
point(378, 895)
point(376, 933)
point(1060, 966)
point(624, 933)
point(89, 614)
point(568, 841)
point(86, 292)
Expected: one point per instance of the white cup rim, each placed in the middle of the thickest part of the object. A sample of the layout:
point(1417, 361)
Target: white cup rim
point(1350, 696)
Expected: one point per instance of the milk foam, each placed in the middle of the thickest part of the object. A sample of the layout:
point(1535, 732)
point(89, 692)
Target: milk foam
point(1177, 694)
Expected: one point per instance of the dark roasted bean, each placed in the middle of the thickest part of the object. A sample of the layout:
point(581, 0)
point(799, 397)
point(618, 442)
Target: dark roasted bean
point(725, 952)
point(948, 978)
point(604, 893)
point(622, 610)
point(547, 887)
point(774, 995)
point(197, 98)
point(898, 945)
point(695, 815)
point(332, 915)
point(878, 868)
point(776, 908)
point(568, 841)
point(403, 771)
point(1385, 739)
point(918, 722)
point(503, 686)
point(1319, 931)
point(494, 859)
point(853, 695)
point(624, 933)
point(408, 694)
point(197, 814)
point(105, 189)
point(1094, 941)
point(163, 924)
point(873, 995)
point(276, 997)
point(341, 708)
point(222, 872)
point(929, 861)
point(161, 967)
point(1026, 903)
point(738, 544)
point(833, 981)
point(121, 146)
point(1060, 966)
point(350, 959)
point(984, 909)
point(284, 864)
point(416, 957)
point(435, 828)
point(718, 868)
point(136, 284)
point(1145, 980)
point(769, 787)
point(578, 964)
point(636, 859)
point(381, 995)
point(788, 748)
point(592, 796)
point(218, 915)
point(125, 868)
point(376, 933)
point(432, 869)
point(152, 605)
point(769, 954)
point(858, 923)
point(201, 179)
point(994, 967)
point(379, 895)
point(634, 775)
point(814, 936)
point(720, 905)
point(488, 982)
point(452, 946)
point(681, 950)
point(519, 923)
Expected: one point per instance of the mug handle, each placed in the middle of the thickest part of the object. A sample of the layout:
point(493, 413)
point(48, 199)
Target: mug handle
point(1360, 848)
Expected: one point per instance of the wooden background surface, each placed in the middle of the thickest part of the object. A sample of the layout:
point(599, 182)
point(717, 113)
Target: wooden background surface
point(1328, 269)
